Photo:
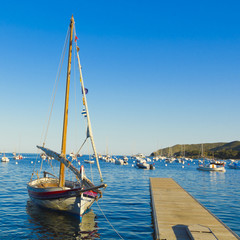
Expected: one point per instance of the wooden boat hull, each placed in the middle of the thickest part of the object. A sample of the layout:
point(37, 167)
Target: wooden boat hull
point(60, 199)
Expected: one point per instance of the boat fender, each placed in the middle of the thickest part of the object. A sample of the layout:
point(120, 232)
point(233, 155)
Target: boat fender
point(82, 172)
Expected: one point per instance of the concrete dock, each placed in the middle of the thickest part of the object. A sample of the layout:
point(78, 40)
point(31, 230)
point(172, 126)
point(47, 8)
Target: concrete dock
point(178, 215)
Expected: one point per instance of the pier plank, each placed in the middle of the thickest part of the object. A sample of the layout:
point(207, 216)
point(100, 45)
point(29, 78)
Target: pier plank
point(178, 215)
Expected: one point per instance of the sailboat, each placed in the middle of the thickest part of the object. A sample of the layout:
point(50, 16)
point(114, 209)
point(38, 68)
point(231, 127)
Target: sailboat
point(213, 166)
point(55, 192)
point(4, 158)
point(17, 157)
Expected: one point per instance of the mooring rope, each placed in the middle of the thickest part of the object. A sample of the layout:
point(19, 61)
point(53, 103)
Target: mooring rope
point(109, 222)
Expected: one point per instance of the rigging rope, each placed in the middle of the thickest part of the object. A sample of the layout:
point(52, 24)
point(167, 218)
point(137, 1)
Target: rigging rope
point(81, 146)
point(89, 128)
point(56, 84)
point(74, 29)
point(41, 167)
point(108, 221)
point(35, 163)
point(47, 122)
point(50, 163)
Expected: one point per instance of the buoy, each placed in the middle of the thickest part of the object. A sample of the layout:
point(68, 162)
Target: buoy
point(182, 166)
point(32, 162)
point(38, 161)
point(16, 162)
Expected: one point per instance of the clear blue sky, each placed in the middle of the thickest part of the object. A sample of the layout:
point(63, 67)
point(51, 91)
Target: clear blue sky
point(159, 73)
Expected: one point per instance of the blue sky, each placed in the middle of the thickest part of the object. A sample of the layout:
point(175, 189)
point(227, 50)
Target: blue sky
point(159, 73)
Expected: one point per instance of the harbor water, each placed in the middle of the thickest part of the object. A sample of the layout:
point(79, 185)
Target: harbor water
point(124, 212)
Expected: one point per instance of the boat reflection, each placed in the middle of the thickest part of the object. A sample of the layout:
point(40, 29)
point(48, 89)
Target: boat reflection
point(216, 177)
point(57, 225)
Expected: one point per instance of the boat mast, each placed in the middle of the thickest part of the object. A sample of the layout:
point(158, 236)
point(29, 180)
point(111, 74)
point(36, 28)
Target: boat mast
point(89, 127)
point(65, 121)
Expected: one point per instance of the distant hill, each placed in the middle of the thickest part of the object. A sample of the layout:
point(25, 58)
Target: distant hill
point(221, 150)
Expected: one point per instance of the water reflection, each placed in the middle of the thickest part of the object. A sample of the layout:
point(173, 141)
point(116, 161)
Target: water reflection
point(217, 176)
point(49, 224)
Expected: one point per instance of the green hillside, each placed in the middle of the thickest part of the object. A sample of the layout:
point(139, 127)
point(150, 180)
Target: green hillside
point(221, 150)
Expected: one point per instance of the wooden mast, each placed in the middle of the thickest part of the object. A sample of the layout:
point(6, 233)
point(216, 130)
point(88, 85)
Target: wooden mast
point(65, 121)
point(89, 127)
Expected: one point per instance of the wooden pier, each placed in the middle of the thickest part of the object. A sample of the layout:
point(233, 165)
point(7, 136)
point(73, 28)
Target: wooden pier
point(178, 215)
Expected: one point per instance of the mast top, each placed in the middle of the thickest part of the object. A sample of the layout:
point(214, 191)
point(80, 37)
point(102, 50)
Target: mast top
point(72, 19)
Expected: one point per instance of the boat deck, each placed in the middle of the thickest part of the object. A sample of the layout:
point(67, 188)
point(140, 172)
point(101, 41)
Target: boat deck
point(177, 215)
point(47, 185)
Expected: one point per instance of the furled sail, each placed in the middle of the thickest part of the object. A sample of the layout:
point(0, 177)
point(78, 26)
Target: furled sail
point(67, 163)
point(61, 159)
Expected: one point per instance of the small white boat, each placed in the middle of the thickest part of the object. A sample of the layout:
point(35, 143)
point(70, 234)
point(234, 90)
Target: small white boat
point(43, 156)
point(18, 157)
point(73, 156)
point(5, 159)
point(214, 167)
point(142, 163)
point(139, 155)
point(121, 162)
point(170, 160)
point(89, 161)
point(112, 160)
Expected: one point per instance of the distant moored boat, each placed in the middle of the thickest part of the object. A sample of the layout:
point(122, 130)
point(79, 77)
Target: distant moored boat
point(4, 158)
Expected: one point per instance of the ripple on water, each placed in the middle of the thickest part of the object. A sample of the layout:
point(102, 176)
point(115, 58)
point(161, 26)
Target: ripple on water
point(125, 202)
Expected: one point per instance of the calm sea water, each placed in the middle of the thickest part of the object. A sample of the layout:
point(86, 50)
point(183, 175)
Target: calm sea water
point(125, 202)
